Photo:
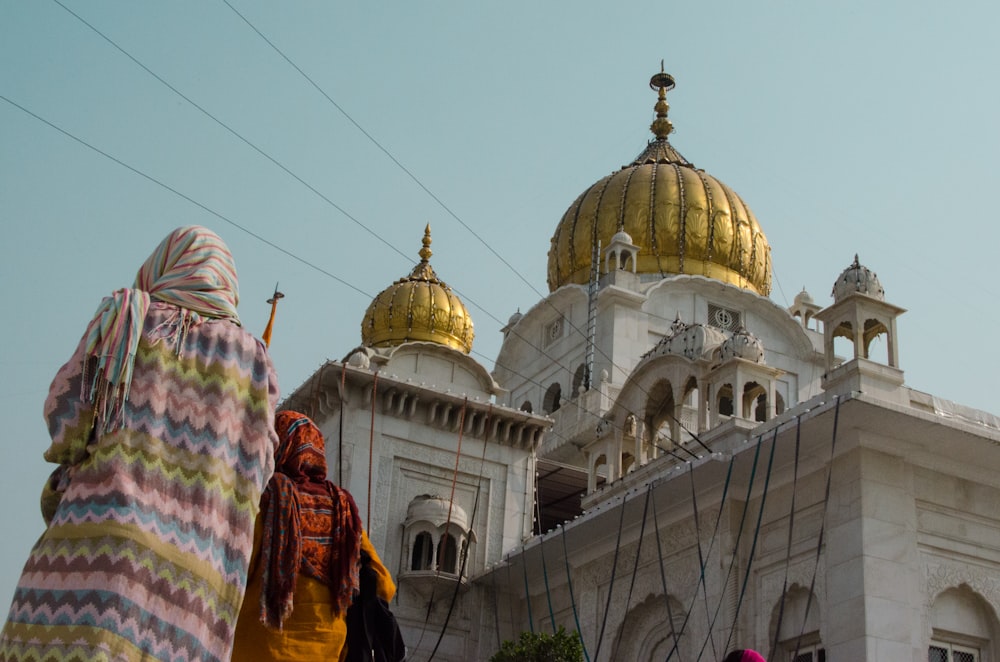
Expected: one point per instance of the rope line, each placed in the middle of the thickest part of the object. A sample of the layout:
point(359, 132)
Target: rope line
point(822, 528)
point(340, 443)
point(736, 545)
point(572, 599)
point(545, 577)
point(611, 584)
point(510, 597)
point(451, 502)
point(496, 607)
point(702, 561)
point(635, 568)
point(527, 594)
point(541, 551)
point(711, 544)
point(756, 534)
point(472, 521)
point(663, 575)
point(788, 549)
point(371, 450)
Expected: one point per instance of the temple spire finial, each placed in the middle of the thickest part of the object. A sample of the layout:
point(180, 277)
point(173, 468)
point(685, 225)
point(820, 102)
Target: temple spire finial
point(425, 252)
point(661, 82)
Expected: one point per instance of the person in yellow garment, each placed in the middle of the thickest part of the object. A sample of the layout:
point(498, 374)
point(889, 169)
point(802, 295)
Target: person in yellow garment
point(304, 569)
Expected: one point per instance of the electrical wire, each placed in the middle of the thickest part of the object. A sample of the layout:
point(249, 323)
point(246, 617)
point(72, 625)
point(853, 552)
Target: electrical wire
point(188, 198)
point(232, 131)
point(290, 173)
point(220, 216)
point(333, 204)
point(447, 209)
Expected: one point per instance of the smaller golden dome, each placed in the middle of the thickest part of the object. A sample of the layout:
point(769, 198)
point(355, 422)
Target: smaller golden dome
point(419, 307)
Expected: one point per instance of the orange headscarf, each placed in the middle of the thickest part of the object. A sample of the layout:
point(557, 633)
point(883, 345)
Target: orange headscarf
point(310, 525)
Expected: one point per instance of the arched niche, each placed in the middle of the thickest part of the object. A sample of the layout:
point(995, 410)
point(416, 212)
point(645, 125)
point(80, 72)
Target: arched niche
point(660, 416)
point(795, 626)
point(963, 627)
point(653, 630)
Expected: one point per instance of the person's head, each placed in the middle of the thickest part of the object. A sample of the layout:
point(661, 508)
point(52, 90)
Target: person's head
point(744, 655)
point(301, 448)
point(192, 268)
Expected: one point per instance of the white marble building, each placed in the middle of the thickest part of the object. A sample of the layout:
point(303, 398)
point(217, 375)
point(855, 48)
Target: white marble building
point(663, 458)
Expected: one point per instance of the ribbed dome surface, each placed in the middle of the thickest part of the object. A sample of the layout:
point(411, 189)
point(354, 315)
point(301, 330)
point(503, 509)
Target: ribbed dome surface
point(419, 307)
point(684, 220)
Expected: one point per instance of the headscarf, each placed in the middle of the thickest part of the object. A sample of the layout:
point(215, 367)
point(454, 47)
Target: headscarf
point(744, 655)
point(310, 525)
point(191, 268)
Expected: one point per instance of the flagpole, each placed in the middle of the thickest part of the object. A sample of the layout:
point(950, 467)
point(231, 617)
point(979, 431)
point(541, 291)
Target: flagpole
point(274, 308)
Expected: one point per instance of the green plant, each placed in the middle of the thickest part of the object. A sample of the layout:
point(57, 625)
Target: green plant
point(531, 647)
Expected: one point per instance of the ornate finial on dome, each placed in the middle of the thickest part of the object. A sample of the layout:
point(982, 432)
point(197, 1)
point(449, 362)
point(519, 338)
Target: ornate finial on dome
point(661, 126)
point(424, 270)
point(419, 307)
point(426, 252)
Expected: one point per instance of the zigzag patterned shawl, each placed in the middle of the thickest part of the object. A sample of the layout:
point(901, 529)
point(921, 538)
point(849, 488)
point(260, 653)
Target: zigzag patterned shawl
point(146, 555)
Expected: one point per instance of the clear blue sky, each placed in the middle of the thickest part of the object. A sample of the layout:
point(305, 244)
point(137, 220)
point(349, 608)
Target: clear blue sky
point(847, 127)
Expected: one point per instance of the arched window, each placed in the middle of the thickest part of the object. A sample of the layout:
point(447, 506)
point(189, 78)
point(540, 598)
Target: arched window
point(423, 546)
point(578, 377)
point(963, 627)
point(754, 402)
point(553, 398)
point(875, 341)
point(796, 629)
point(526, 406)
point(447, 556)
point(725, 400)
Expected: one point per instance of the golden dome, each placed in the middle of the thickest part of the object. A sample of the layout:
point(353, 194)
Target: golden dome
point(418, 307)
point(683, 220)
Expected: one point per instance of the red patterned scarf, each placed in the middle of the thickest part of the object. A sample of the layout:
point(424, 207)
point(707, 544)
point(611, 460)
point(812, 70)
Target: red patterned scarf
point(309, 524)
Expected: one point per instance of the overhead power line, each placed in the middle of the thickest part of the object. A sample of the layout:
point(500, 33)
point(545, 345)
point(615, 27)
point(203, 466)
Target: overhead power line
point(185, 197)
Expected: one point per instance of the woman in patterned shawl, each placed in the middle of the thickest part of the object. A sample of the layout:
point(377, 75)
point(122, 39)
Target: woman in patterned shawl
point(304, 570)
point(162, 425)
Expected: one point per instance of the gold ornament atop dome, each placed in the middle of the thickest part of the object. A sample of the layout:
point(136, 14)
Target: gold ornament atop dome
point(683, 220)
point(419, 307)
